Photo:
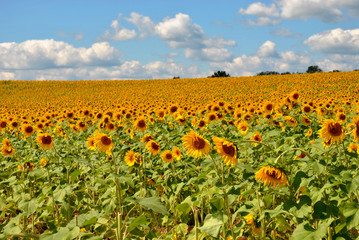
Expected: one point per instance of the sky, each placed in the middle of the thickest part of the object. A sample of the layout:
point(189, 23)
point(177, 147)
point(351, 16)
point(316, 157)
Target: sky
point(157, 39)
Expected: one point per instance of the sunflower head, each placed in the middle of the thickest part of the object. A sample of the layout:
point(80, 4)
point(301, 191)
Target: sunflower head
point(227, 150)
point(195, 145)
point(103, 142)
point(27, 130)
point(153, 147)
point(177, 153)
point(45, 140)
point(271, 176)
point(167, 156)
point(332, 131)
point(140, 124)
point(130, 158)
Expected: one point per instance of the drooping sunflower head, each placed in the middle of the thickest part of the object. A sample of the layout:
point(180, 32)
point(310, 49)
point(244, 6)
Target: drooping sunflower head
point(332, 131)
point(153, 147)
point(271, 176)
point(167, 156)
point(6, 148)
point(227, 150)
point(356, 129)
point(45, 140)
point(195, 145)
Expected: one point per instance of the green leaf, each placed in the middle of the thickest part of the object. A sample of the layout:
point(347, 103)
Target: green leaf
point(212, 224)
point(305, 232)
point(153, 203)
point(28, 207)
point(141, 220)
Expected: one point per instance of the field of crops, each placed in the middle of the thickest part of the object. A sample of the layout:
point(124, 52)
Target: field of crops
point(269, 157)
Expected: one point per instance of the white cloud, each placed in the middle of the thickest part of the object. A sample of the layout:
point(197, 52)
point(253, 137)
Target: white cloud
point(284, 32)
point(263, 21)
point(335, 41)
point(328, 11)
point(143, 23)
point(49, 53)
point(324, 10)
point(260, 9)
point(118, 33)
point(7, 76)
point(267, 50)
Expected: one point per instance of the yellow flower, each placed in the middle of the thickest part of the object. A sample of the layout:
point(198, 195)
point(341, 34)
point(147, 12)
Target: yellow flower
point(332, 131)
point(353, 147)
point(43, 162)
point(27, 130)
point(271, 176)
point(103, 143)
point(243, 127)
point(227, 150)
point(167, 156)
point(195, 145)
point(140, 124)
point(249, 219)
point(6, 148)
point(45, 141)
point(291, 121)
point(91, 143)
point(309, 133)
point(177, 153)
point(256, 137)
point(131, 158)
point(153, 147)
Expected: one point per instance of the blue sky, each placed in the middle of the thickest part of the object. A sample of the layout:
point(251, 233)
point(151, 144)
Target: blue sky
point(73, 40)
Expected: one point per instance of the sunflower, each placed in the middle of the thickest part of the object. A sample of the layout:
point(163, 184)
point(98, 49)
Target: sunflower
point(356, 129)
point(3, 125)
point(332, 131)
point(6, 148)
point(341, 116)
point(249, 219)
point(309, 133)
point(243, 127)
point(45, 140)
point(306, 121)
point(91, 143)
point(195, 145)
point(103, 142)
point(27, 130)
point(140, 124)
point(307, 109)
point(294, 96)
point(268, 107)
point(110, 126)
point(177, 153)
point(353, 147)
point(81, 125)
point(43, 162)
point(271, 176)
point(146, 138)
point(211, 117)
point(256, 137)
point(291, 121)
point(153, 147)
point(181, 120)
point(227, 150)
point(167, 156)
point(131, 158)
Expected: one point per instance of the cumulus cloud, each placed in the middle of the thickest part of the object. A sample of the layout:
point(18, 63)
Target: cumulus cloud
point(335, 41)
point(118, 33)
point(260, 9)
point(49, 53)
point(328, 11)
point(284, 32)
point(267, 50)
point(7, 75)
point(143, 23)
point(178, 32)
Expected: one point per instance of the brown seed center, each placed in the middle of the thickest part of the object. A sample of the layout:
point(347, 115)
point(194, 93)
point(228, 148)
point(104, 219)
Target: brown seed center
point(229, 150)
point(199, 143)
point(106, 140)
point(335, 130)
point(46, 140)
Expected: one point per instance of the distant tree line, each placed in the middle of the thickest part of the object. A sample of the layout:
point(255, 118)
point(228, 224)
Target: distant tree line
point(310, 69)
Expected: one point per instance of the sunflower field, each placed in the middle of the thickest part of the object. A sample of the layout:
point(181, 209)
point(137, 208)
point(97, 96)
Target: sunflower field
point(267, 157)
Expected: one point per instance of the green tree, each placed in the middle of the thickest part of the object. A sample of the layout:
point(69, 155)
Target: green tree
point(220, 74)
point(314, 69)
